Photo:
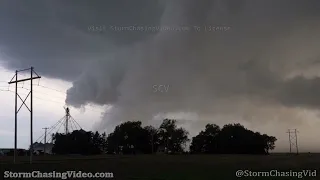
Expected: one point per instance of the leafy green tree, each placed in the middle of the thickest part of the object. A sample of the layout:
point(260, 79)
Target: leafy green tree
point(171, 137)
point(78, 142)
point(129, 138)
point(206, 141)
point(231, 139)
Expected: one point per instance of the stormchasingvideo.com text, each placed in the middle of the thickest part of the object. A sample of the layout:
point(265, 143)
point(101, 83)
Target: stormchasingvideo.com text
point(56, 175)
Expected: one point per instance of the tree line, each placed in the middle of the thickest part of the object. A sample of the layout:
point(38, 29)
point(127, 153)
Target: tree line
point(131, 138)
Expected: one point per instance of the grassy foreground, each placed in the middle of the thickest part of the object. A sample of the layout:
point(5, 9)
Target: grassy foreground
point(169, 167)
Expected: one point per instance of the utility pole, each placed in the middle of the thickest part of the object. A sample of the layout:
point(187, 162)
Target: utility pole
point(15, 120)
point(295, 132)
point(31, 115)
point(293, 139)
point(16, 81)
point(45, 140)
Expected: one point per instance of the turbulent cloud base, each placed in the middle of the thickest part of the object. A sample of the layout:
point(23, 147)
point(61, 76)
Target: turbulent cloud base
point(266, 60)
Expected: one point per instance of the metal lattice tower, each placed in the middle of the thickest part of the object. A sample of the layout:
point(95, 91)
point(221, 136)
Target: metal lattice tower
point(293, 140)
point(45, 140)
point(67, 121)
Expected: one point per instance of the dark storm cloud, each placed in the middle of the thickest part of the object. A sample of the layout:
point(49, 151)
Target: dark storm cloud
point(300, 92)
point(53, 36)
point(250, 64)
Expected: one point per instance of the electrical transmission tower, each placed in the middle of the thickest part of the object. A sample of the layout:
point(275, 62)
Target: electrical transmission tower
point(16, 81)
point(293, 140)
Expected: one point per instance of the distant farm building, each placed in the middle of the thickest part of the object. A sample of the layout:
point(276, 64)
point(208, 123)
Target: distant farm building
point(38, 148)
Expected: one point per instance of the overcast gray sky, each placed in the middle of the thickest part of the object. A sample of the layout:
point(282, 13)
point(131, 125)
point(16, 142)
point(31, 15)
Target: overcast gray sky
point(260, 68)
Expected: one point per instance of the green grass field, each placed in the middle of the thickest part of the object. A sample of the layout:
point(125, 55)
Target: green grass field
point(170, 167)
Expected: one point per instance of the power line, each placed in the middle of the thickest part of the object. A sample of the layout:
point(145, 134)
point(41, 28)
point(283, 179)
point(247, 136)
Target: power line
point(51, 129)
point(64, 92)
point(60, 122)
point(56, 96)
point(36, 91)
point(42, 93)
point(61, 103)
point(37, 97)
point(53, 89)
point(46, 87)
point(51, 138)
